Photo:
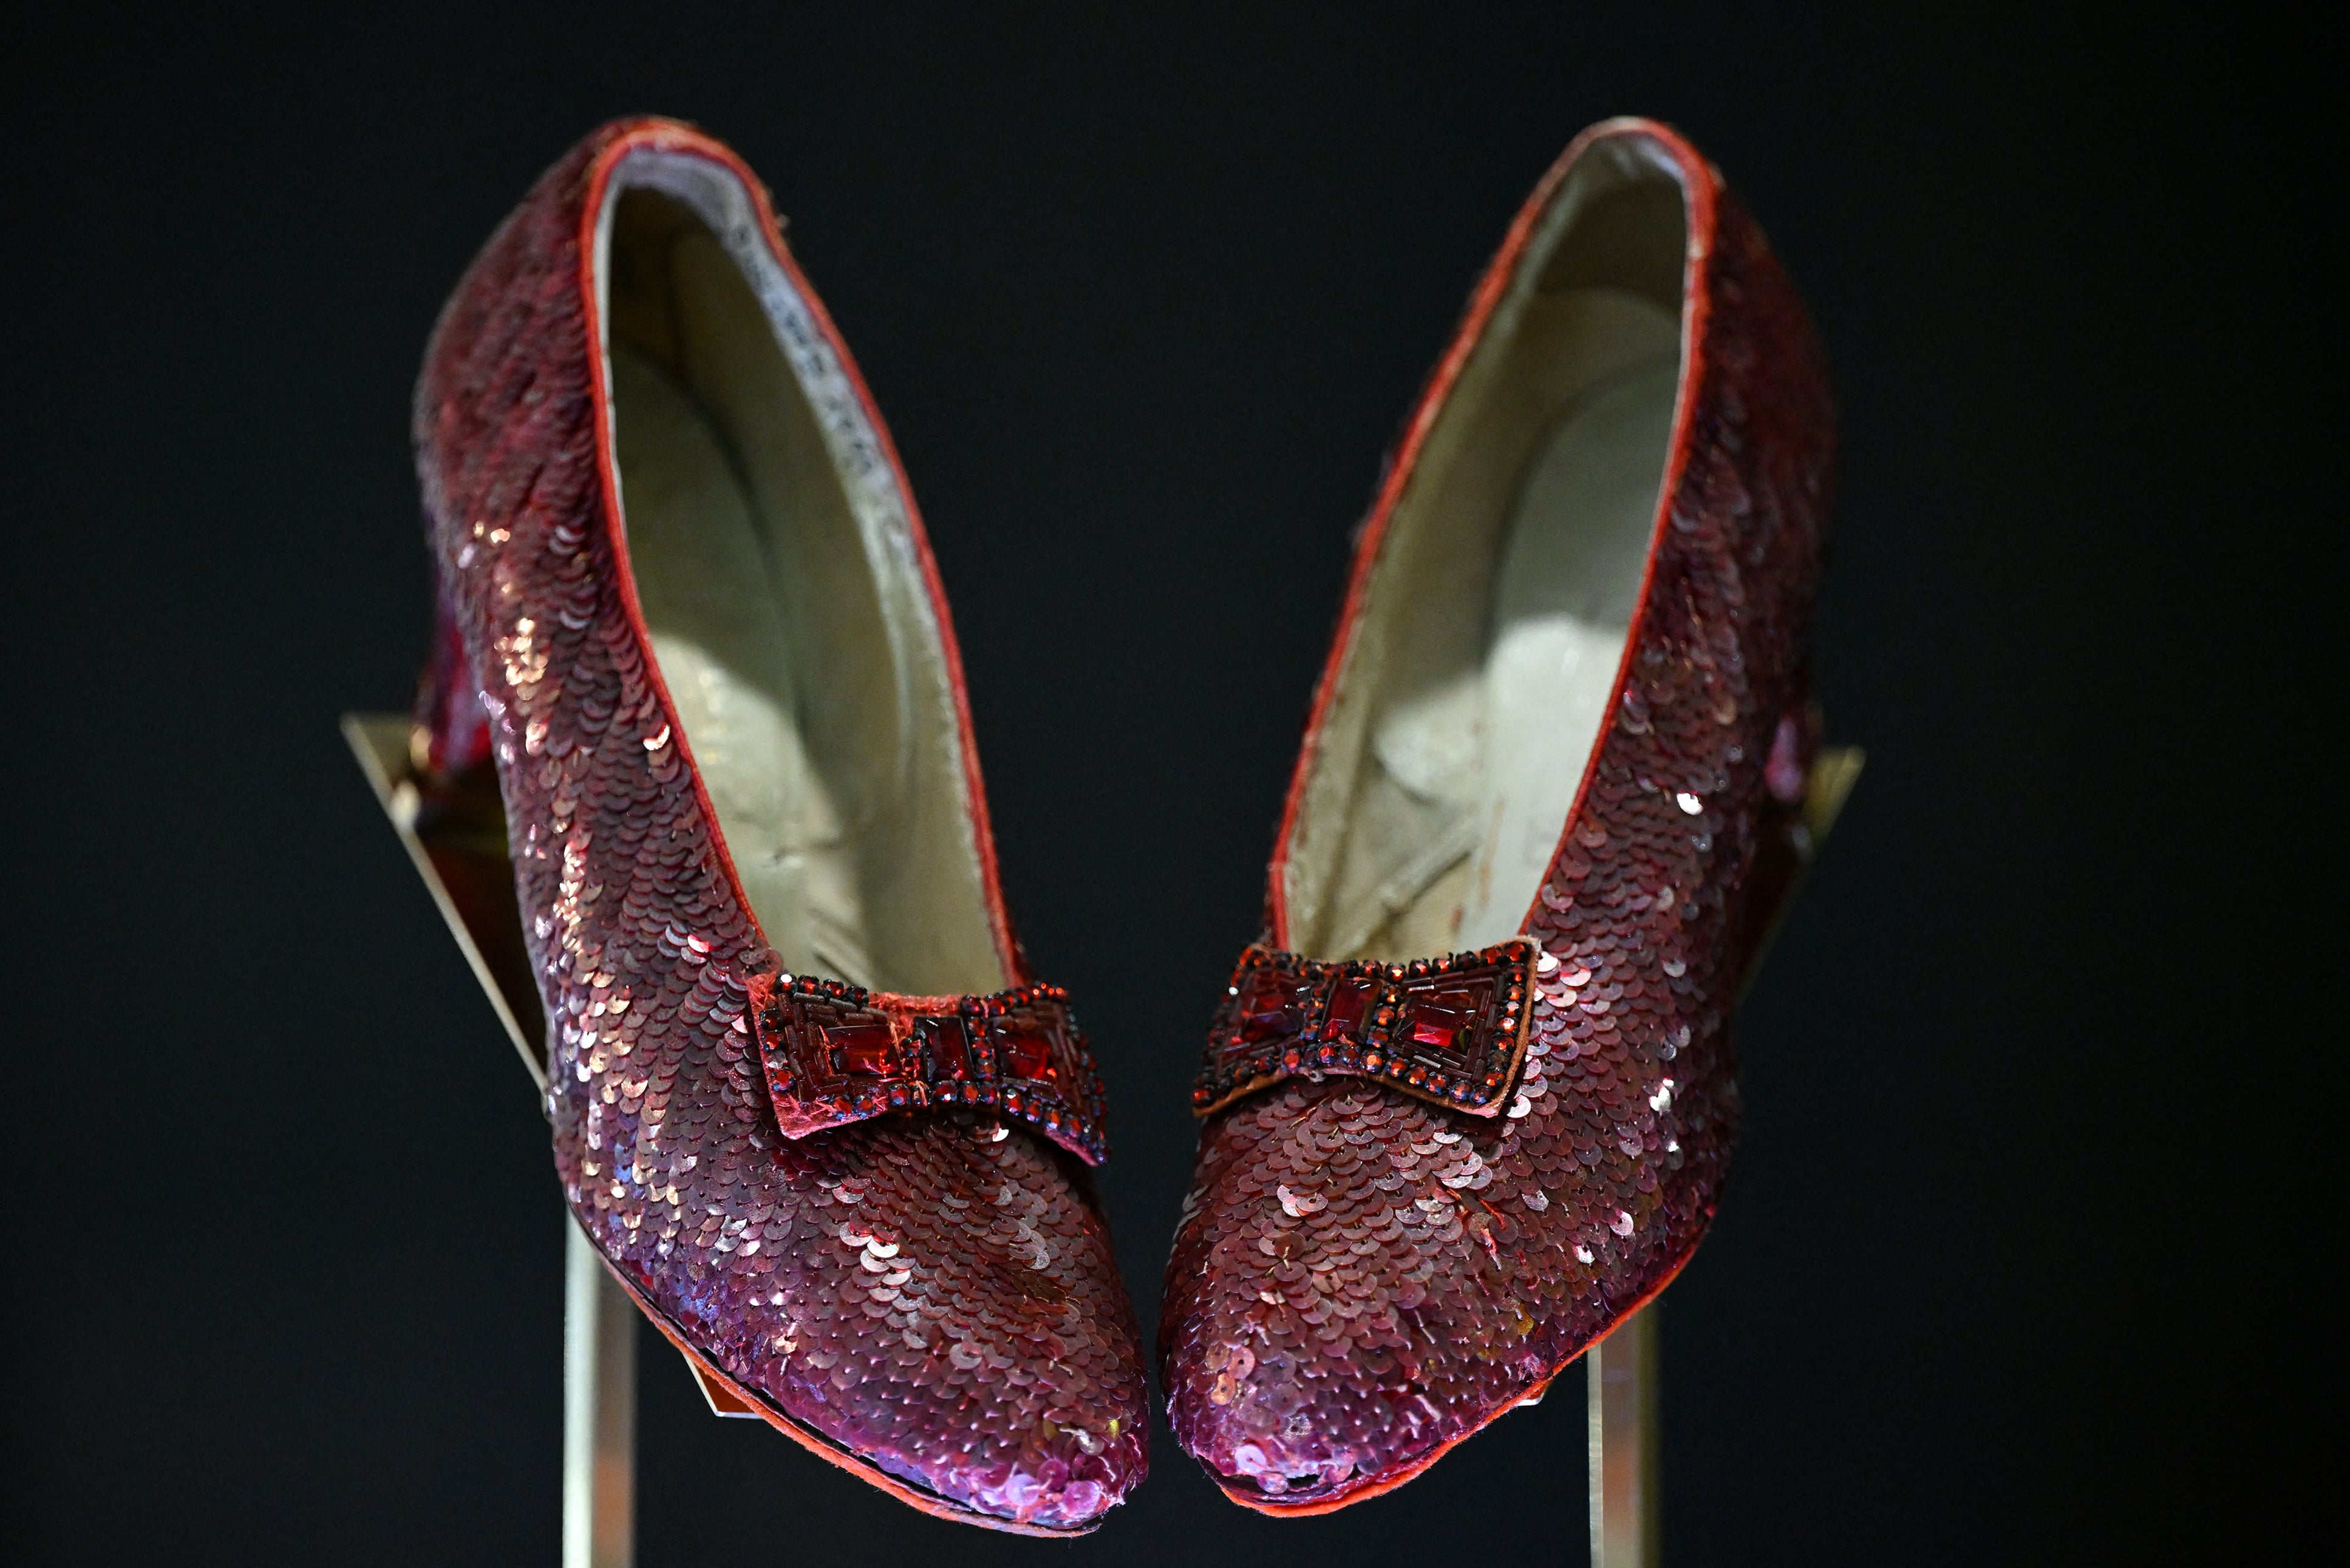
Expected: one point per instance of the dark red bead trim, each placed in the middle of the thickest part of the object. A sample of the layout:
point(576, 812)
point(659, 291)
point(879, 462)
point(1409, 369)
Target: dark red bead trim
point(1450, 1030)
point(835, 1054)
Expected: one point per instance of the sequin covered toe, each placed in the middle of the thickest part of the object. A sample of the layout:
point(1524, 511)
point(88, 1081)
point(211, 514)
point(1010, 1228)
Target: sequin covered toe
point(807, 1100)
point(1468, 1102)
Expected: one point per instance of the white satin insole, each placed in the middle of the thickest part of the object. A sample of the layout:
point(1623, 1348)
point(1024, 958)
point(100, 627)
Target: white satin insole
point(704, 578)
point(1567, 586)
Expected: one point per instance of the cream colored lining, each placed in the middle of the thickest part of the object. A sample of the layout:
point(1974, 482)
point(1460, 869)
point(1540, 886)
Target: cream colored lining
point(776, 566)
point(1477, 679)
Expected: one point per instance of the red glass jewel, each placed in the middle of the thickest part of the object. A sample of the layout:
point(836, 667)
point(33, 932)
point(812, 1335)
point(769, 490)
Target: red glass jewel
point(862, 1048)
point(1440, 1018)
point(1025, 1054)
point(949, 1045)
point(1350, 998)
point(1273, 1007)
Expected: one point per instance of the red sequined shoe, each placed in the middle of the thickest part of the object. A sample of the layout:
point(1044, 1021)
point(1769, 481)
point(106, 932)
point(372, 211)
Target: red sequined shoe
point(808, 1100)
point(1468, 1102)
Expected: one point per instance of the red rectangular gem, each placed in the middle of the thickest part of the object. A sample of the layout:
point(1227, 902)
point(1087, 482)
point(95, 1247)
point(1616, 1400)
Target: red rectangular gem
point(1024, 1052)
point(1436, 1028)
point(1272, 1008)
point(950, 1047)
point(862, 1048)
point(1440, 1020)
point(1350, 998)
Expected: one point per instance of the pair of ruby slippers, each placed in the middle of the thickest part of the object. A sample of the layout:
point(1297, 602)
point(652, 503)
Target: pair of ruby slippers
point(1466, 1105)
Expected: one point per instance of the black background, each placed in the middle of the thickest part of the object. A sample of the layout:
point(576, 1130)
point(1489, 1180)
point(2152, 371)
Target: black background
point(2002, 1272)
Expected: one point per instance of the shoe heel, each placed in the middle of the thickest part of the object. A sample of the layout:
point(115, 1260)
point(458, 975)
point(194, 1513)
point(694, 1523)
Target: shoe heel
point(1792, 835)
point(449, 731)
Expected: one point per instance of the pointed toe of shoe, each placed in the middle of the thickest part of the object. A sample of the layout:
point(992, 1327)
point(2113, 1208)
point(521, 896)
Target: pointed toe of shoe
point(1344, 1303)
point(1272, 1439)
point(931, 1300)
point(962, 1281)
point(1045, 1476)
point(1059, 1483)
point(1031, 1385)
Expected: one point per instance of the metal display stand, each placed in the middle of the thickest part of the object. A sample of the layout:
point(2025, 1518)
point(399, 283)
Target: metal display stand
point(1623, 1375)
point(458, 845)
point(600, 1411)
point(1622, 1386)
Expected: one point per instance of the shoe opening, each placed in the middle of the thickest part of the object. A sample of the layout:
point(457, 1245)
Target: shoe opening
point(1475, 681)
point(775, 562)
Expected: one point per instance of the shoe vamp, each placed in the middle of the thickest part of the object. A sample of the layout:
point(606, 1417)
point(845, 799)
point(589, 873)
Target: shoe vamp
point(932, 1290)
point(1362, 1277)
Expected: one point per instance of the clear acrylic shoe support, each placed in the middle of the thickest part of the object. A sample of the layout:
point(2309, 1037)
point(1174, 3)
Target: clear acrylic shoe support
point(458, 846)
